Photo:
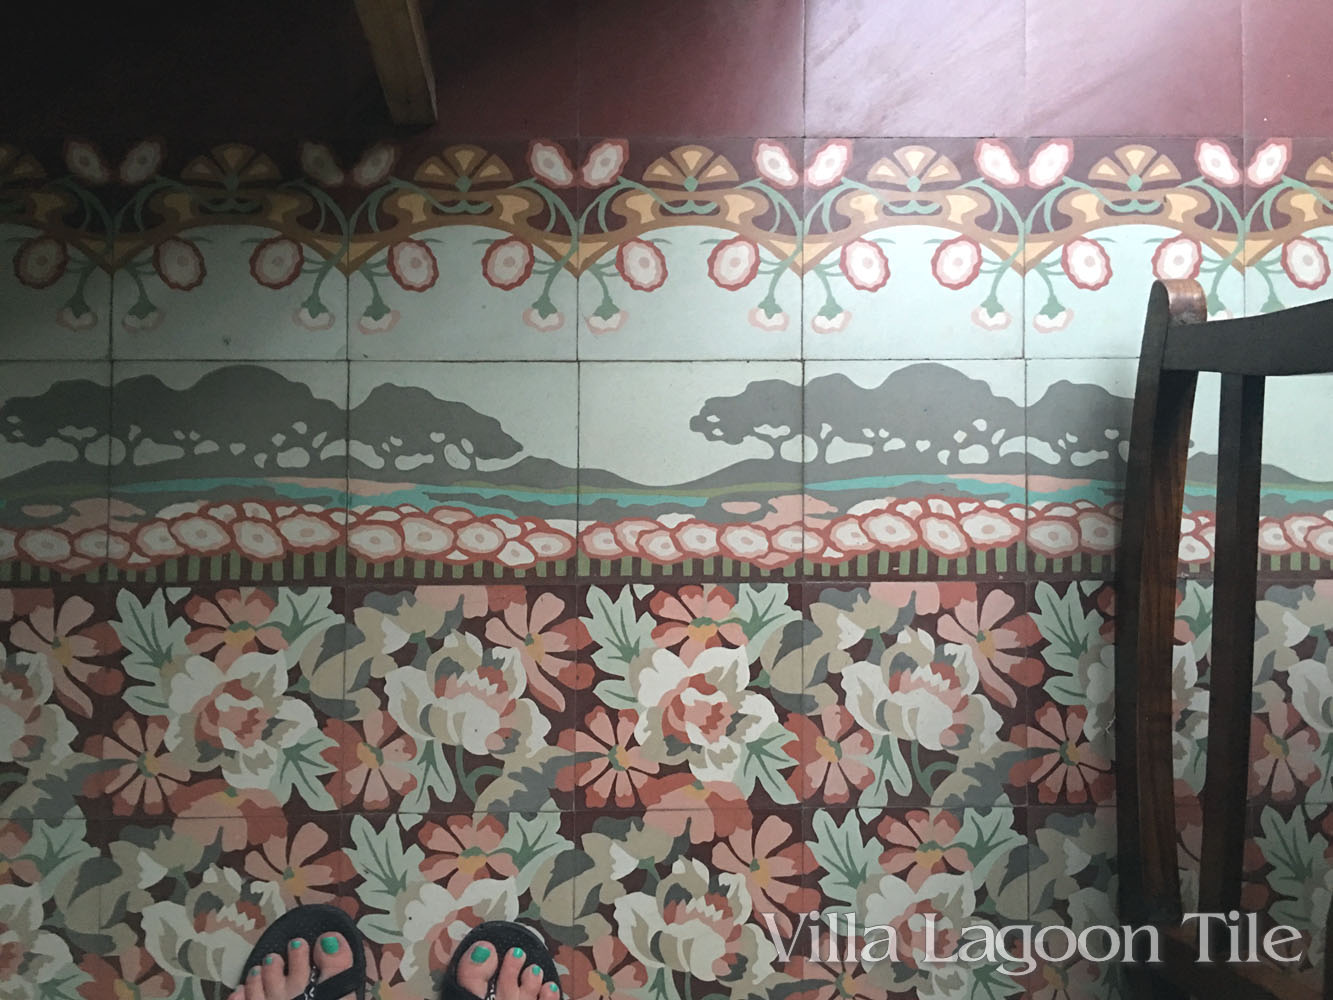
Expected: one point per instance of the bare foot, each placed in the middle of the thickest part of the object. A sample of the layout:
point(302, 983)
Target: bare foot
point(518, 978)
point(285, 977)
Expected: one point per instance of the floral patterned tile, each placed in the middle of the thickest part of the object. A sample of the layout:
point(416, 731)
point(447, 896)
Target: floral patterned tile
point(184, 901)
point(1072, 884)
point(643, 880)
point(1289, 223)
point(1291, 732)
point(898, 230)
point(1122, 212)
point(212, 262)
point(60, 675)
point(689, 251)
point(1288, 874)
point(898, 869)
point(693, 700)
point(916, 693)
point(914, 468)
point(419, 883)
point(499, 223)
point(690, 468)
point(224, 470)
point(56, 296)
point(462, 468)
point(460, 698)
point(170, 747)
point(55, 443)
point(49, 909)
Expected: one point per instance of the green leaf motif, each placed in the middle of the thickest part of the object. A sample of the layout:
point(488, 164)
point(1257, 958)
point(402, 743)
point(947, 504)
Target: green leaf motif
point(151, 641)
point(841, 851)
point(614, 626)
point(433, 775)
point(387, 868)
point(1298, 864)
point(764, 759)
point(1062, 622)
point(530, 840)
point(761, 611)
point(299, 770)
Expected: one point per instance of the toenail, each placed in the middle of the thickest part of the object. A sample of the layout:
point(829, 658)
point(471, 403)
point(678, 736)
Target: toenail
point(552, 987)
point(480, 953)
point(329, 944)
point(268, 959)
point(296, 944)
point(254, 971)
point(536, 970)
point(518, 952)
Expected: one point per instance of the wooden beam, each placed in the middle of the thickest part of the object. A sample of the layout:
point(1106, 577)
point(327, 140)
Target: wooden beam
point(402, 60)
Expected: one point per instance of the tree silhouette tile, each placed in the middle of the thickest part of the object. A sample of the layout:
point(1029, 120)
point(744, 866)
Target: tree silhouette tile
point(200, 295)
point(912, 466)
point(55, 301)
point(910, 251)
point(221, 469)
point(458, 467)
point(690, 463)
point(55, 422)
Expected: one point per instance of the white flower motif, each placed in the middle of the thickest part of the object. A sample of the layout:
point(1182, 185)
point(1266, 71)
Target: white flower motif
point(830, 324)
point(1217, 163)
point(1049, 162)
point(600, 325)
point(1086, 263)
point(1044, 323)
point(550, 164)
point(1178, 257)
point(997, 163)
point(829, 163)
point(319, 164)
point(774, 163)
point(1269, 161)
point(375, 164)
point(987, 319)
point(1305, 262)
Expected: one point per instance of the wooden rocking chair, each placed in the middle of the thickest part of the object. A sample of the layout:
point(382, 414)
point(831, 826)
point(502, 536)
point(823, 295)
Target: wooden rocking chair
point(1178, 343)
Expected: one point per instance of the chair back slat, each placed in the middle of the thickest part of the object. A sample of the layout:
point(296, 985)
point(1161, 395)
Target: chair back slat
point(1236, 543)
point(1296, 341)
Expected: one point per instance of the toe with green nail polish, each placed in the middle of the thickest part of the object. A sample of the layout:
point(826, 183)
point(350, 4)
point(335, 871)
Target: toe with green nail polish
point(480, 953)
point(268, 959)
point(518, 952)
point(330, 944)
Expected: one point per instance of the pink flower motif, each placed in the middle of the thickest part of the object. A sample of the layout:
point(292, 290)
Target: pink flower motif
point(374, 165)
point(550, 164)
point(41, 261)
point(85, 162)
point(864, 265)
point(957, 262)
point(604, 163)
point(276, 261)
point(412, 265)
point(1305, 262)
point(231, 623)
point(830, 324)
point(988, 319)
point(1178, 257)
point(1086, 263)
point(641, 264)
point(553, 320)
point(1045, 322)
point(997, 163)
point(1217, 163)
point(600, 325)
point(179, 264)
point(1054, 537)
point(1049, 162)
point(695, 619)
point(305, 317)
point(1269, 161)
point(142, 321)
point(76, 319)
point(378, 321)
point(764, 320)
point(319, 164)
point(829, 163)
point(774, 164)
point(1283, 752)
point(507, 263)
point(548, 647)
point(998, 643)
point(832, 755)
point(142, 161)
point(733, 263)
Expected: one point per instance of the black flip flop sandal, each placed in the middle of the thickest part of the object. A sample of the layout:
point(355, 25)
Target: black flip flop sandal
point(310, 923)
point(502, 935)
